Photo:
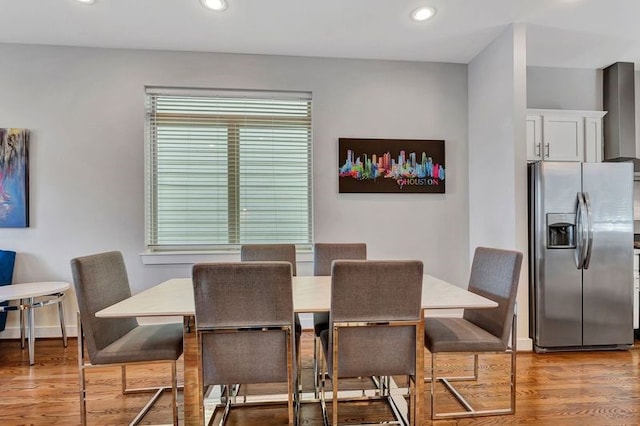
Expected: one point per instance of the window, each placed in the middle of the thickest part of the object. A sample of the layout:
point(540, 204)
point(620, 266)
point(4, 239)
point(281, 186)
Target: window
point(226, 168)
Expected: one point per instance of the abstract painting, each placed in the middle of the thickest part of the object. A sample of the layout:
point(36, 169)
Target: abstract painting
point(391, 165)
point(14, 178)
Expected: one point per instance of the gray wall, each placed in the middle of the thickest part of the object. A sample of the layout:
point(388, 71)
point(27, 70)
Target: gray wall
point(85, 109)
point(564, 88)
point(497, 157)
point(572, 88)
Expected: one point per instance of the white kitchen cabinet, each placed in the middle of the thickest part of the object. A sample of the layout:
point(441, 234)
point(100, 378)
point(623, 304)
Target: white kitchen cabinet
point(564, 135)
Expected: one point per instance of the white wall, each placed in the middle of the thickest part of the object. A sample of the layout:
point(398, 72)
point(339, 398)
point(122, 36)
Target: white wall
point(497, 157)
point(85, 109)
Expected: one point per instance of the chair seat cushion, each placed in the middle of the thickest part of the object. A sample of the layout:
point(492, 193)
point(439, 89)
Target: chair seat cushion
point(153, 342)
point(458, 335)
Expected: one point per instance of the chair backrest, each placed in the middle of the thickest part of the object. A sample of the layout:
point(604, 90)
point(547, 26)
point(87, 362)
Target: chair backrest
point(270, 252)
point(495, 274)
point(375, 291)
point(7, 261)
point(250, 296)
point(100, 280)
point(325, 253)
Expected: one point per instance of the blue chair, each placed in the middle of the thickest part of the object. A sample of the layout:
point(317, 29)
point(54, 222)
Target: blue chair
point(7, 260)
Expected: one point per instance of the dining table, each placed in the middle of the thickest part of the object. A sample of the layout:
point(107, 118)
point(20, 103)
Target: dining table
point(311, 294)
point(48, 292)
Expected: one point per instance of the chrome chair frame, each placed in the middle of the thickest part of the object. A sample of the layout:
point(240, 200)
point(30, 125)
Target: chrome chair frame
point(382, 382)
point(101, 280)
point(231, 390)
point(84, 365)
point(276, 252)
point(356, 251)
point(469, 410)
point(495, 274)
point(388, 292)
point(236, 302)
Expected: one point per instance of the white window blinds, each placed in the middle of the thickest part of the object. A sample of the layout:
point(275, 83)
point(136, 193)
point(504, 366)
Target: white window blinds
point(226, 168)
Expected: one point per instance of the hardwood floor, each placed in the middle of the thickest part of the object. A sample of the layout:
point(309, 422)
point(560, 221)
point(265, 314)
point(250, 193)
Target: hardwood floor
point(593, 388)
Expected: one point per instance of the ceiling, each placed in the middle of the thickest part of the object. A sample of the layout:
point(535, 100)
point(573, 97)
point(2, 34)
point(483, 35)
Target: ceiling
point(560, 33)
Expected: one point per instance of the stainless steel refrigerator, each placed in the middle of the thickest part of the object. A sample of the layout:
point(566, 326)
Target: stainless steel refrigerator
point(581, 255)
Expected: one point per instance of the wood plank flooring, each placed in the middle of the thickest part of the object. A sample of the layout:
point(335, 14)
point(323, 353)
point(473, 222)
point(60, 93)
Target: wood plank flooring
point(592, 388)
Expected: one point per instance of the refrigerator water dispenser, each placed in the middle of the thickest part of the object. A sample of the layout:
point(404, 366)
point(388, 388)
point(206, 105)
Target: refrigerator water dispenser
point(561, 228)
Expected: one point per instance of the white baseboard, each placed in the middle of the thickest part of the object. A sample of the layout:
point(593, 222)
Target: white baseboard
point(41, 332)
point(524, 344)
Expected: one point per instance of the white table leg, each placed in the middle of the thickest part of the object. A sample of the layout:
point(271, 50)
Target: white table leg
point(31, 327)
point(21, 324)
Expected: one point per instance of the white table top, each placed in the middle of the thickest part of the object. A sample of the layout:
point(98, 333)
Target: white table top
point(310, 294)
point(26, 290)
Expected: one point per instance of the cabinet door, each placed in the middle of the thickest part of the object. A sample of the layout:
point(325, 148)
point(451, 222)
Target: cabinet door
point(563, 138)
point(593, 140)
point(534, 137)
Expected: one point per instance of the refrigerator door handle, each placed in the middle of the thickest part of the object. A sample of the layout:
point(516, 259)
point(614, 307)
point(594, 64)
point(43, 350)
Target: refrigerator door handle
point(581, 232)
point(589, 246)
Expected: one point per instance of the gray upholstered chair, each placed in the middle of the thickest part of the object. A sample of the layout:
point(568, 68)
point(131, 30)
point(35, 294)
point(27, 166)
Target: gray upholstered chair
point(271, 253)
point(100, 281)
point(244, 321)
point(494, 275)
point(323, 255)
point(376, 326)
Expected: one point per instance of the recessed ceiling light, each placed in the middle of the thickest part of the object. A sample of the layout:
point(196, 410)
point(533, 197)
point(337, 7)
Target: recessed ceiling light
point(217, 5)
point(423, 13)
point(86, 1)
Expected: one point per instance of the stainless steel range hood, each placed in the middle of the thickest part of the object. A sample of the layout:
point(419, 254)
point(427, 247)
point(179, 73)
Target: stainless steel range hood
point(620, 120)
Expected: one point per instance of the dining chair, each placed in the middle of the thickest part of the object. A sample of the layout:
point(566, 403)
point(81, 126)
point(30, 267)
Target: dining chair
point(323, 255)
point(100, 281)
point(7, 261)
point(375, 327)
point(272, 253)
point(494, 274)
point(244, 321)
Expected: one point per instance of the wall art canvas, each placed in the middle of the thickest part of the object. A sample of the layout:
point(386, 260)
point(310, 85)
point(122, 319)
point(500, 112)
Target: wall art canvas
point(14, 178)
point(391, 165)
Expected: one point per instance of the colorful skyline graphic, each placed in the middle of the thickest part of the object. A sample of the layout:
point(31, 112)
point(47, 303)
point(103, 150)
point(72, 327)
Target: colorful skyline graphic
point(391, 166)
point(400, 169)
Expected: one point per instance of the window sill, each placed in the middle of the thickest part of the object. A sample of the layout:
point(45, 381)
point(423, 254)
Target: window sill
point(192, 257)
